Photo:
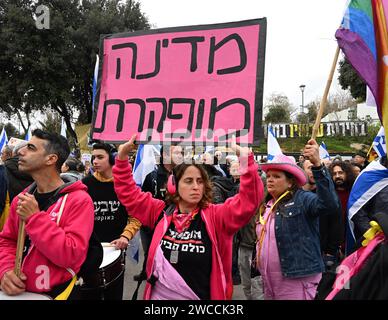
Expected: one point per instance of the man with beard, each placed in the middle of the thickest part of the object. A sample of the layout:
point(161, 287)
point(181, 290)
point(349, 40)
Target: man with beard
point(343, 177)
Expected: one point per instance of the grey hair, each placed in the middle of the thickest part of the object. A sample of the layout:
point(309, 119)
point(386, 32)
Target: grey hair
point(18, 146)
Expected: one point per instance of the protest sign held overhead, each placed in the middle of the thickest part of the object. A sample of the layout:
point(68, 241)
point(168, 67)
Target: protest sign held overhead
point(184, 84)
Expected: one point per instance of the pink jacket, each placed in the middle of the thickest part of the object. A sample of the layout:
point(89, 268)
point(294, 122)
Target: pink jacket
point(53, 248)
point(222, 221)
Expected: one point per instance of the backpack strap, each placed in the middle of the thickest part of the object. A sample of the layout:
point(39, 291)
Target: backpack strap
point(168, 211)
point(61, 208)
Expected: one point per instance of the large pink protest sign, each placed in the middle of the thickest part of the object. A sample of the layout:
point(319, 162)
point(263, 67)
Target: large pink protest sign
point(185, 84)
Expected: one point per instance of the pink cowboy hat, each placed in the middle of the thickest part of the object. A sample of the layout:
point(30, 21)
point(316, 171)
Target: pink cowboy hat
point(283, 163)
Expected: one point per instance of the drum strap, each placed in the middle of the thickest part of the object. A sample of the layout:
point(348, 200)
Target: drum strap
point(66, 293)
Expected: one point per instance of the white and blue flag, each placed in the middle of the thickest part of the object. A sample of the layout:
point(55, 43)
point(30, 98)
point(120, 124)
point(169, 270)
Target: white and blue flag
point(28, 135)
point(273, 148)
point(63, 128)
point(95, 79)
point(379, 143)
point(323, 153)
point(369, 182)
point(3, 139)
point(144, 164)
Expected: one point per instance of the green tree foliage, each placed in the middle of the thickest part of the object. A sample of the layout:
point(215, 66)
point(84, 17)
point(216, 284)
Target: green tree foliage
point(349, 79)
point(279, 109)
point(11, 130)
point(310, 116)
point(52, 123)
point(52, 69)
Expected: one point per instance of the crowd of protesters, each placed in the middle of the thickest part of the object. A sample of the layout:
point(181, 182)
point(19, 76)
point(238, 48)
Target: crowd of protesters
point(279, 228)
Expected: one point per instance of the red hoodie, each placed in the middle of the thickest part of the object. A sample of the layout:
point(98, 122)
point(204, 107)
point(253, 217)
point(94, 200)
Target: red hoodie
point(53, 248)
point(222, 221)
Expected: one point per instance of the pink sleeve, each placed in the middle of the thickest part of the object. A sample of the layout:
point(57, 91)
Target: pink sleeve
point(140, 205)
point(237, 211)
point(66, 245)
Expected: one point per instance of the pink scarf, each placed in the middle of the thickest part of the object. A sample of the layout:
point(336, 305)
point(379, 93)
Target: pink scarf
point(182, 221)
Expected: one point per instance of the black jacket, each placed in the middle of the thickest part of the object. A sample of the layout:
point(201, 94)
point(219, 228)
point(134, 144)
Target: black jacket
point(379, 203)
point(156, 182)
point(3, 188)
point(224, 188)
point(331, 231)
point(371, 282)
point(17, 181)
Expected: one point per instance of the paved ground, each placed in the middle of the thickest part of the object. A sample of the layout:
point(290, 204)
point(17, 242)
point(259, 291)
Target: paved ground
point(130, 285)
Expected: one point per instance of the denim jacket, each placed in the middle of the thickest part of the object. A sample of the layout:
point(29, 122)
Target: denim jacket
point(297, 227)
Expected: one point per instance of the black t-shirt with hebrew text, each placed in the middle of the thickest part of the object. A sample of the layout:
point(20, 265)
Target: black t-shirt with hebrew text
point(191, 255)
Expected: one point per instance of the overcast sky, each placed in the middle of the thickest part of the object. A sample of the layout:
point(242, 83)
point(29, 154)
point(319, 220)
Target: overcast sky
point(300, 36)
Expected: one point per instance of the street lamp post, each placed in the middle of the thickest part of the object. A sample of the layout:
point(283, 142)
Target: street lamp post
point(302, 86)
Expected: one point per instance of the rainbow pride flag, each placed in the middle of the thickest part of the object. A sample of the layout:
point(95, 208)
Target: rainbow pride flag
point(363, 38)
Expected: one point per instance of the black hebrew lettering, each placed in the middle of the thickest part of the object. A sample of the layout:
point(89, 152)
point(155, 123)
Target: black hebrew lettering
point(193, 41)
point(194, 48)
point(242, 52)
point(142, 106)
point(214, 108)
point(164, 113)
point(165, 43)
point(171, 115)
point(132, 46)
point(120, 118)
point(157, 64)
point(200, 113)
point(169, 110)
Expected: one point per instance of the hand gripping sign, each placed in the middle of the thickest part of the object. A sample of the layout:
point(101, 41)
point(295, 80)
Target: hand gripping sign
point(185, 84)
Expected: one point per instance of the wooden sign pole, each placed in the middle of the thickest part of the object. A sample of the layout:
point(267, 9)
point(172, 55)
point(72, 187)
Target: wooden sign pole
point(323, 103)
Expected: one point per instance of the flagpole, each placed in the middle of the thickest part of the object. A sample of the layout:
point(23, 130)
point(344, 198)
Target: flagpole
point(19, 248)
point(323, 103)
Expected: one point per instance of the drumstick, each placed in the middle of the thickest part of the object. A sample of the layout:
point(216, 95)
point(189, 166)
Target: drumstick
point(19, 248)
point(108, 245)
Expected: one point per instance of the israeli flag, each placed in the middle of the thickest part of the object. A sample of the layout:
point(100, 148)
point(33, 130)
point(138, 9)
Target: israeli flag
point(63, 128)
point(28, 135)
point(323, 153)
point(144, 164)
point(95, 78)
point(3, 139)
point(369, 182)
point(379, 143)
point(273, 147)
